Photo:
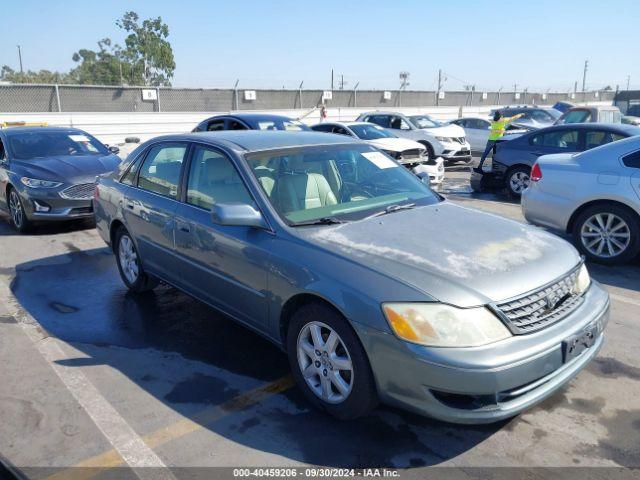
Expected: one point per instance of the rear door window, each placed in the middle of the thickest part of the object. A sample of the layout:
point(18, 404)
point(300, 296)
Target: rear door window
point(632, 160)
point(382, 120)
point(559, 139)
point(600, 137)
point(215, 125)
point(160, 172)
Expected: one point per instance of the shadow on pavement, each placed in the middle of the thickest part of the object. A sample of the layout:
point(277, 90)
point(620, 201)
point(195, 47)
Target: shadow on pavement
point(78, 297)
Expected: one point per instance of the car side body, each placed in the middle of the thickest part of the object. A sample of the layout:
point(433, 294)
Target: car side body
point(517, 156)
point(477, 129)
point(268, 274)
point(590, 195)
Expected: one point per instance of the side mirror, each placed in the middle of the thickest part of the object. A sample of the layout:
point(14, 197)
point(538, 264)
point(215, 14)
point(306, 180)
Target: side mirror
point(113, 149)
point(237, 214)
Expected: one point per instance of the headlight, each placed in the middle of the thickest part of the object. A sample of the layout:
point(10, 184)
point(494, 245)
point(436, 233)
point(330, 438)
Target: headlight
point(439, 325)
point(443, 139)
point(36, 183)
point(583, 280)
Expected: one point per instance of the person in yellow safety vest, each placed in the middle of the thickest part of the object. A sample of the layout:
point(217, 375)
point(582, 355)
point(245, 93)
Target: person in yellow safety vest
point(498, 127)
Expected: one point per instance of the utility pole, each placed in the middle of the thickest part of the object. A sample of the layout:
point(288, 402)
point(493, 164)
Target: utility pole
point(300, 93)
point(20, 58)
point(584, 75)
point(439, 87)
point(342, 82)
point(332, 79)
point(235, 93)
point(515, 90)
point(628, 80)
point(355, 94)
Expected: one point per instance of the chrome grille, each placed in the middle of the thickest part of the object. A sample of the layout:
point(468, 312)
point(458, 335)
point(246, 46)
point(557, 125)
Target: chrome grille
point(542, 307)
point(82, 191)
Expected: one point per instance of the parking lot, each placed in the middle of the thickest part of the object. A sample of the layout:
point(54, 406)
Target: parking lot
point(95, 377)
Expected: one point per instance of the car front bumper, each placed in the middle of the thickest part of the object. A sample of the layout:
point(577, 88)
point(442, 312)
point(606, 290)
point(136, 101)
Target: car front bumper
point(47, 205)
point(454, 152)
point(484, 384)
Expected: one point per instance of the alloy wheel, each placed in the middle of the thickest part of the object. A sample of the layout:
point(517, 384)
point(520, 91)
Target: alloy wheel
point(15, 209)
point(128, 259)
point(518, 182)
point(605, 235)
point(325, 362)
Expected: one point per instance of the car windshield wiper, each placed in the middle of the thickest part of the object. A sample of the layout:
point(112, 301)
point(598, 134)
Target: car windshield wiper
point(319, 221)
point(393, 208)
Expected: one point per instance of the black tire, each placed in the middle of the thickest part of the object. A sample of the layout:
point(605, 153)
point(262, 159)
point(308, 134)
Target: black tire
point(521, 170)
point(143, 282)
point(362, 398)
point(23, 225)
point(633, 230)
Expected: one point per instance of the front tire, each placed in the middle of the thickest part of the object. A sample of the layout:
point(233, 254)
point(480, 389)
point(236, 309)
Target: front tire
point(16, 210)
point(517, 179)
point(608, 234)
point(129, 264)
point(329, 363)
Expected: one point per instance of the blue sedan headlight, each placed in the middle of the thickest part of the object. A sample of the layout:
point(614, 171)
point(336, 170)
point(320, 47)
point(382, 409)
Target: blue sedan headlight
point(37, 183)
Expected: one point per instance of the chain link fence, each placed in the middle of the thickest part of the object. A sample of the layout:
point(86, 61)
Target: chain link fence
point(75, 98)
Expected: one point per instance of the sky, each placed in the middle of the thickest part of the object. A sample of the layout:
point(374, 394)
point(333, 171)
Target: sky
point(537, 45)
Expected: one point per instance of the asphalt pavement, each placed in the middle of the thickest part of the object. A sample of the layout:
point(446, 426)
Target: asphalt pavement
point(94, 377)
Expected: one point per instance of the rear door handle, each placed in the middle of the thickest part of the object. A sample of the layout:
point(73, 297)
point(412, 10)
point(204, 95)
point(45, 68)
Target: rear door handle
point(130, 206)
point(185, 228)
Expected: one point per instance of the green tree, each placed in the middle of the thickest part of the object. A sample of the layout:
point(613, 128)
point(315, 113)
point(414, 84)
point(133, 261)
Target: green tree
point(101, 67)
point(147, 52)
point(7, 74)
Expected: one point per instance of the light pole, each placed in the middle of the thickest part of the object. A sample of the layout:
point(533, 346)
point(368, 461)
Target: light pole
point(20, 58)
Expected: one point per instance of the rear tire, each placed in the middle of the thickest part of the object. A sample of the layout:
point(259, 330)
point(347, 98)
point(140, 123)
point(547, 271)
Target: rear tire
point(18, 216)
point(337, 375)
point(607, 233)
point(517, 179)
point(130, 265)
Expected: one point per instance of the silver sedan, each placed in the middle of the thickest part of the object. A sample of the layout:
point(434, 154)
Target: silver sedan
point(593, 195)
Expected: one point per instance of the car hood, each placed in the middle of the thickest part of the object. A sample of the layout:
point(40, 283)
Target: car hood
point(67, 168)
point(451, 253)
point(449, 130)
point(395, 144)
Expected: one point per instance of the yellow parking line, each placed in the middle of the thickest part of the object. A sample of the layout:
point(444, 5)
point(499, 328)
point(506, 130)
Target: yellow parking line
point(93, 466)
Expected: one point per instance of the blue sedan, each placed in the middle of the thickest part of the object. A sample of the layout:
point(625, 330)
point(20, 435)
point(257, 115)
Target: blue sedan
point(510, 167)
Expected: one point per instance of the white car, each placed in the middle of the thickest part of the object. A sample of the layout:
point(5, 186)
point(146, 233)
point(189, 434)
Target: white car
point(477, 129)
point(409, 153)
point(440, 139)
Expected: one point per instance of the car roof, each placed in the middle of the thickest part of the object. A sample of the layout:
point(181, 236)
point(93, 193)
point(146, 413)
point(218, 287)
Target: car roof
point(616, 127)
point(16, 130)
point(257, 140)
point(253, 116)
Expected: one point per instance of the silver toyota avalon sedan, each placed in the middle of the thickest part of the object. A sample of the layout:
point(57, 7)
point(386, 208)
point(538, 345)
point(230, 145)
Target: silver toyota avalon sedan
point(593, 195)
point(375, 286)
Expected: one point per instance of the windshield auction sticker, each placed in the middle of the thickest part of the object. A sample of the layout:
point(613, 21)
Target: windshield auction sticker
point(379, 160)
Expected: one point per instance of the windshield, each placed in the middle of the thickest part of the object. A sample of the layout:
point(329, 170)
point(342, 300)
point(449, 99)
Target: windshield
point(280, 124)
point(340, 182)
point(32, 145)
point(370, 132)
point(424, 121)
